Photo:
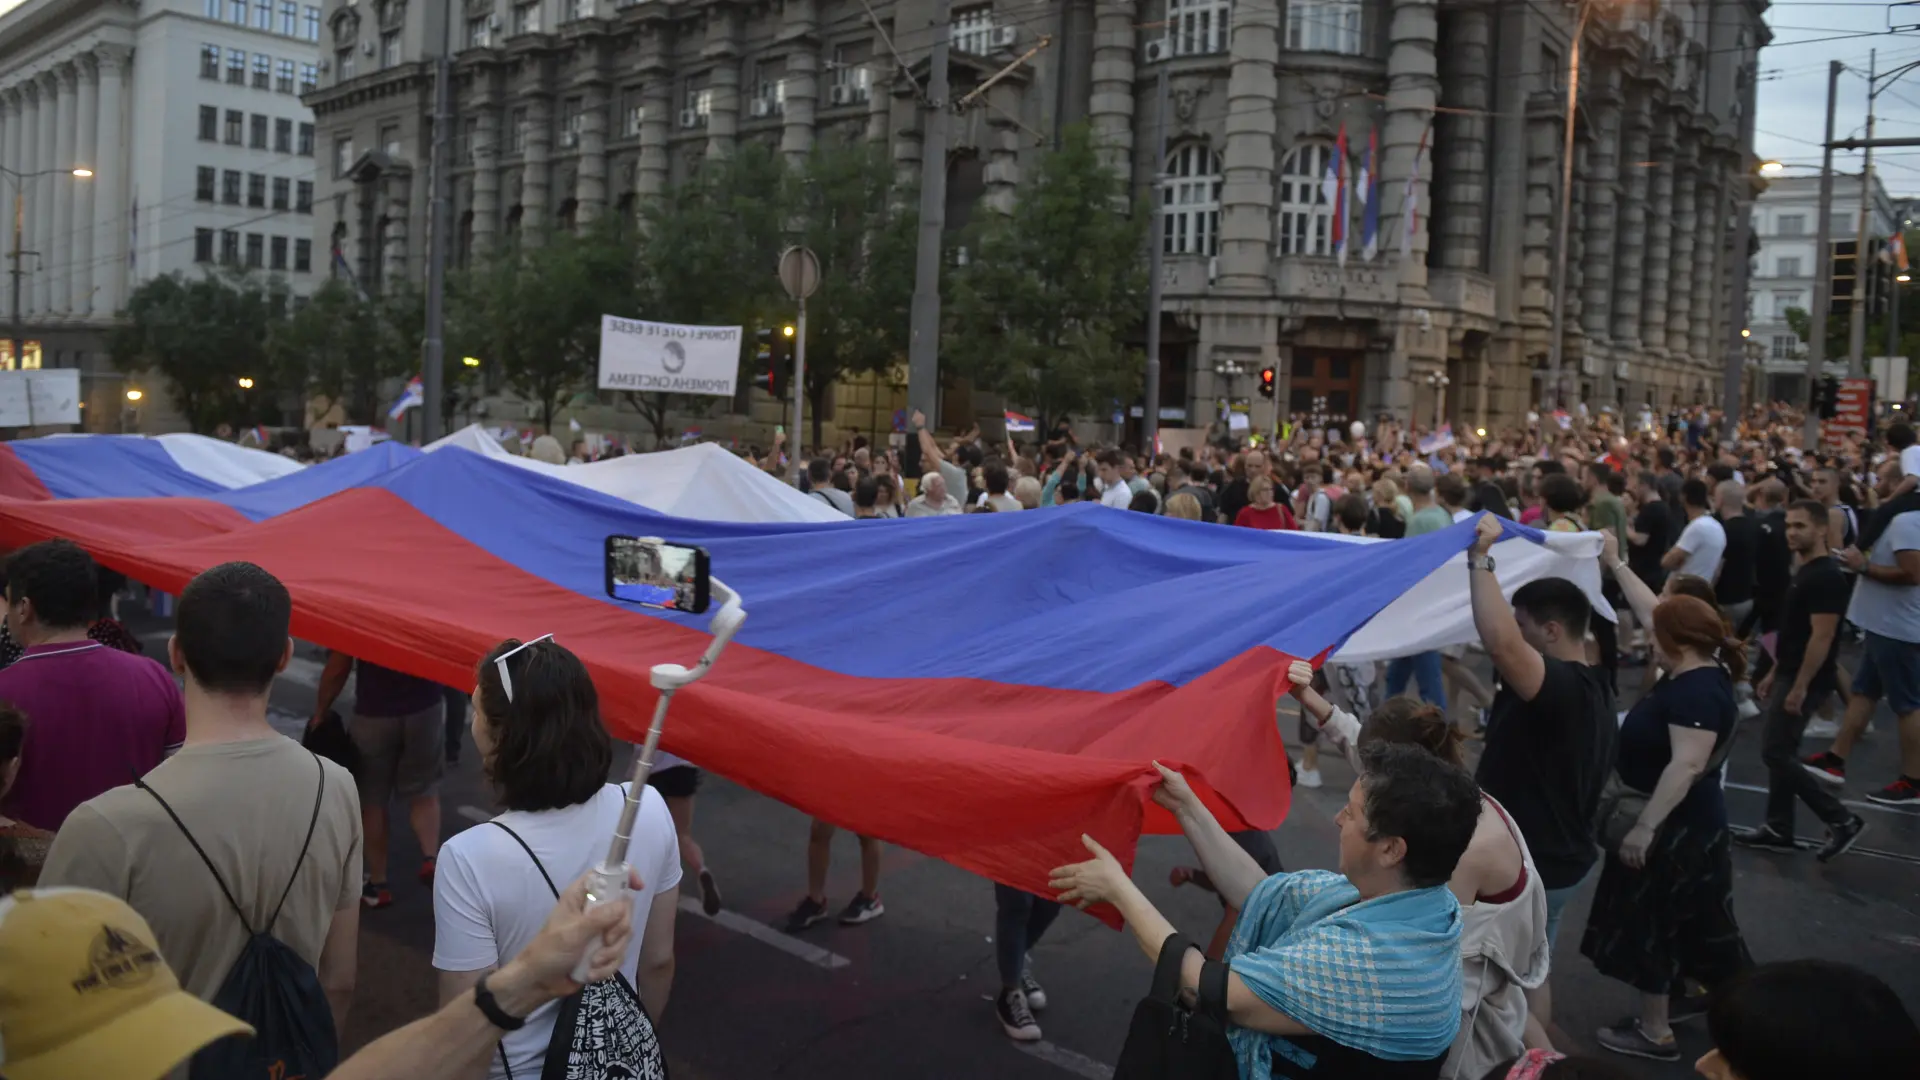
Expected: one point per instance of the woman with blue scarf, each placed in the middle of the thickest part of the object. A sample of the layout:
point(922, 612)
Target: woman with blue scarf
point(1354, 974)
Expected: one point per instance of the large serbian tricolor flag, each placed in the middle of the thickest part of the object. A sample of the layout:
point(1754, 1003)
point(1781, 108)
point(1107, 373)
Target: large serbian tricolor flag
point(981, 688)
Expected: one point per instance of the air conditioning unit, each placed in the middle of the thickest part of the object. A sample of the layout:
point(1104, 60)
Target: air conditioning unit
point(761, 108)
point(1004, 36)
point(1159, 50)
point(366, 48)
point(840, 94)
point(692, 118)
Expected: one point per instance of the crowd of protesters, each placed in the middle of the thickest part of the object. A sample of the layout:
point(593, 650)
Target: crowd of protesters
point(1733, 573)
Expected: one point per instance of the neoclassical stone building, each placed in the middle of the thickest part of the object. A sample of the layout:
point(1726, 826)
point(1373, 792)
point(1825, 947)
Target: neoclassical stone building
point(568, 109)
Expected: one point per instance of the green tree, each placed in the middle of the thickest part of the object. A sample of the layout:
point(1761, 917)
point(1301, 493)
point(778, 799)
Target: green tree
point(1041, 311)
point(346, 347)
point(203, 335)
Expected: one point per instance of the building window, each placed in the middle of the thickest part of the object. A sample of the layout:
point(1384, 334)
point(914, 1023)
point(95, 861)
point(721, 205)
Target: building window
point(229, 246)
point(277, 257)
point(237, 67)
point(302, 256)
point(1787, 266)
point(343, 64)
point(1784, 300)
point(311, 24)
point(209, 61)
point(203, 181)
point(303, 197)
point(309, 78)
point(209, 123)
point(230, 187)
point(283, 136)
point(517, 131)
point(390, 140)
point(852, 78)
point(579, 9)
point(236, 126)
point(1192, 202)
point(212, 9)
point(770, 89)
point(282, 193)
point(389, 48)
point(257, 190)
point(1325, 26)
point(256, 251)
point(633, 111)
point(480, 32)
point(1792, 225)
point(290, 18)
point(526, 18)
point(305, 146)
point(283, 76)
point(203, 241)
point(1197, 27)
point(972, 30)
point(699, 107)
point(1306, 214)
point(263, 15)
point(1785, 346)
point(258, 141)
point(342, 155)
point(573, 120)
point(237, 10)
point(463, 148)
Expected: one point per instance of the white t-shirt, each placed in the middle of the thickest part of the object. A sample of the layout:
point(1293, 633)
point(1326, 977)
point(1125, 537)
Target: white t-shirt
point(489, 899)
point(1461, 515)
point(1119, 496)
point(1704, 541)
point(1910, 461)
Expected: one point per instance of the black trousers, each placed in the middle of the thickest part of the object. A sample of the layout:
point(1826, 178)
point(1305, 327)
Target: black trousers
point(1780, 752)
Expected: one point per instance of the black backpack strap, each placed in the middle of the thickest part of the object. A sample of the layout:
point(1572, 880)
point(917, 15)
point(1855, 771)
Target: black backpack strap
point(1166, 973)
point(198, 850)
point(536, 859)
point(319, 793)
point(1212, 998)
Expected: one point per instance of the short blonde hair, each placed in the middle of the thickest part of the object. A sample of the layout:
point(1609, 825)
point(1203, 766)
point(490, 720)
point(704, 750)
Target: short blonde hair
point(1027, 491)
point(1183, 506)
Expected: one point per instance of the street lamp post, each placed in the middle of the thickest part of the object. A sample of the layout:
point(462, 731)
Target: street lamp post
point(19, 180)
point(1556, 347)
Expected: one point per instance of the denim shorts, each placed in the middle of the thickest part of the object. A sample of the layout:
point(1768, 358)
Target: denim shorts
point(1890, 669)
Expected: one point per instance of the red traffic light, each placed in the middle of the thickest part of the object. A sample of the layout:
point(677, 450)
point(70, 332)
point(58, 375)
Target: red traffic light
point(1266, 382)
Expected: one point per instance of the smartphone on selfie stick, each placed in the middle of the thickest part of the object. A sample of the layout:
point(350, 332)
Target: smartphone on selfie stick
point(649, 572)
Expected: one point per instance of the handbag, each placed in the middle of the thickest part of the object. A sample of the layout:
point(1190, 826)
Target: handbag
point(330, 740)
point(1168, 1041)
point(1621, 804)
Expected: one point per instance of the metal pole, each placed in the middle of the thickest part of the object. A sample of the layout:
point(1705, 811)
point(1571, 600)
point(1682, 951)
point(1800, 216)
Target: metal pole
point(1156, 242)
point(433, 377)
point(1737, 301)
point(923, 349)
point(800, 382)
point(19, 219)
point(1857, 331)
point(1823, 275)
point(1556, 348)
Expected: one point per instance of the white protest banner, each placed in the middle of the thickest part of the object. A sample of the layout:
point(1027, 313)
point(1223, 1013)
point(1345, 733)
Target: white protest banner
point(38, 397)
point(668, 359)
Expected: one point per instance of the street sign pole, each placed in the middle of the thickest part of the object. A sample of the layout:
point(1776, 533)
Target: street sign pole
point(800, 276)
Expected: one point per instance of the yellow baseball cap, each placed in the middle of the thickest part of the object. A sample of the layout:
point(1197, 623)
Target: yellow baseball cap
point(85, 992)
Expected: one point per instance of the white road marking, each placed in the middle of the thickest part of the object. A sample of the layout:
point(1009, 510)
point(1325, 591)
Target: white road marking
point(1060, 1057)
point(766, 935)
point(1844, 802)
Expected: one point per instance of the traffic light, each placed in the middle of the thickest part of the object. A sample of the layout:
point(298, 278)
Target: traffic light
point(773, 359)
point(1826, 397)
point(1266, 382)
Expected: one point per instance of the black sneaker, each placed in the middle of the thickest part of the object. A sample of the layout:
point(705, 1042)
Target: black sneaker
point(710, 894)
point(1765, 839)
point(1840, 840)
point(862, 908)
point(1627, 1038)
point(1902, 792)
point(1036, 997)
point(1827, 767)
point(1015, 1017)
point(809, 912)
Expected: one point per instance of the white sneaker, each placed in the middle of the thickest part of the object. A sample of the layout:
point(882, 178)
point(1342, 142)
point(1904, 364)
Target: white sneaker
point(1818, 728)
point(1310, 778)
point(1748, 710)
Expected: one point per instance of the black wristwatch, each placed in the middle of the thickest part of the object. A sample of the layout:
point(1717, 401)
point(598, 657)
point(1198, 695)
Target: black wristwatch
point(483, 999)
point(1484, 562)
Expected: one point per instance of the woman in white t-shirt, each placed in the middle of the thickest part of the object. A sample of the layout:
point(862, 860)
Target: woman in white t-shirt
point(536, 721)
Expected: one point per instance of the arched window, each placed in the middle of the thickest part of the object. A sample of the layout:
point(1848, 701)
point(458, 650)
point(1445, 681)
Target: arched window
point(1306, 214)
point(1191, 202)
point(1325, 26)
point(1196, 27)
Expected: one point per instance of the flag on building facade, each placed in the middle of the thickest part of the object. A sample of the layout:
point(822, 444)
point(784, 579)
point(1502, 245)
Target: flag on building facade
point(1370, 191)
point(1410, 202)
point(1334, 188)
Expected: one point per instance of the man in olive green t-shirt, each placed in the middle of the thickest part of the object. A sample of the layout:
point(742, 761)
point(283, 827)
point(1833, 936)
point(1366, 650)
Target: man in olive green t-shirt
point(1604, 508)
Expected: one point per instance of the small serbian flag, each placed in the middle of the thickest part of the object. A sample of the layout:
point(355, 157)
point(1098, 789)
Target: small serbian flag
point(1560, 417)
point(261, 436)
point(1016, 422)
point(413, 395)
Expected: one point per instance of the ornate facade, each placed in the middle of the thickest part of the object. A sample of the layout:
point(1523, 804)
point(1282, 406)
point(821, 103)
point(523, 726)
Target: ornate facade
point(568, 109)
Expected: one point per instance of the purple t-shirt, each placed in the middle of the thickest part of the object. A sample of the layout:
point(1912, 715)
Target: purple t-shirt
point(96, 719)
point(384, 692)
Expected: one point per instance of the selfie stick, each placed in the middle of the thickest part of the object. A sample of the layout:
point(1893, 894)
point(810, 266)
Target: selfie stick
point(607, 882)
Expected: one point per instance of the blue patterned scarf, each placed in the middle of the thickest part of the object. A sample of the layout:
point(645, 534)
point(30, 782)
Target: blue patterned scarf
point(1380, 976)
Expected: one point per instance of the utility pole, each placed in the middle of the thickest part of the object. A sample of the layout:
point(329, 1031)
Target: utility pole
point(1823, 273)
point(1734, 373)
point(1857, 331)
point(19, 223)
point(1156, 242)
point(923, 348)
point(433, 373)
point(1556, 347)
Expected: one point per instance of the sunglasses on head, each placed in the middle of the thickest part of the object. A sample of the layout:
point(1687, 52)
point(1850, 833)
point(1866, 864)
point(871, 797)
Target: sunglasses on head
point(500, 663)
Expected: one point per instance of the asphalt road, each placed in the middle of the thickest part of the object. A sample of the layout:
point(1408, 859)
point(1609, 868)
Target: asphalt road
point(909, 994)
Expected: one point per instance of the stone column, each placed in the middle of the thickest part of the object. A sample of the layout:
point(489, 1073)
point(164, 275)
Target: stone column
point(87, 139)
point(1110, 106)
point(591, 187)
point(801, 34)
point(43, 217)
point(13, 112)
point(33, 208)
point(1659, 252)
point(651, 170)
point(1002, 146)
point(486, 176)
point(1247, 194)
point(723, 49)
point(1463, 138)
point(1544, 147)
point(1413, 86)
point(393, 241)
point(1603, 170)
point(111, 182)
point(536, 215)
point(58, 259)
point(1680, 256)
point(1631, 237)
point(1709, 220)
